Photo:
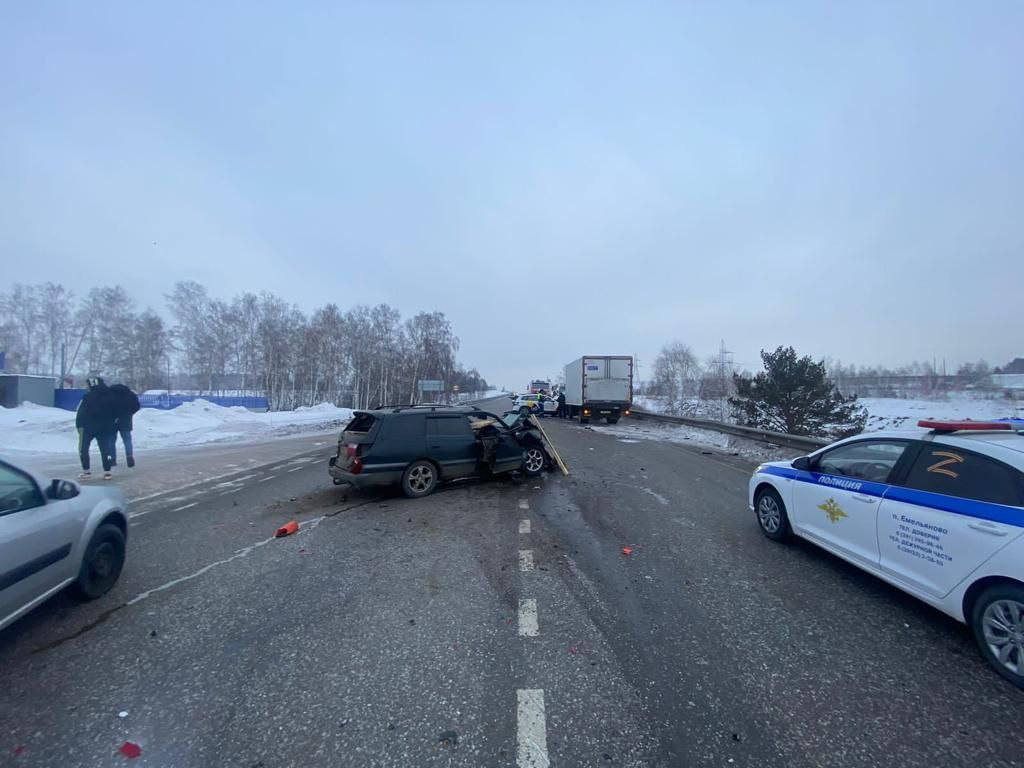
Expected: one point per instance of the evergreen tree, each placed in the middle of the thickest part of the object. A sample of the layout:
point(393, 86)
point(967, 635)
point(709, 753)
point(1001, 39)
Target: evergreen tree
point(793, 395)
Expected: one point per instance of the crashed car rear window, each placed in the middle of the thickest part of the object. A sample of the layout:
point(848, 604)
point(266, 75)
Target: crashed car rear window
point(362, 422)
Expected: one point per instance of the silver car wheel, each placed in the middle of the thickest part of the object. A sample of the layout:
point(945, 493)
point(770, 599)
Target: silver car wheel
point(534, 460)
point(769, 514)
point(1003, 623)
point(421, 478)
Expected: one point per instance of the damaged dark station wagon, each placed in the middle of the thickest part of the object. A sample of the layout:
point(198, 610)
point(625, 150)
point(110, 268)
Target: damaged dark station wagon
point(420, 446)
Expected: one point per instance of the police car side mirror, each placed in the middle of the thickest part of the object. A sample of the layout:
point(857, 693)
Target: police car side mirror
point(803, 463)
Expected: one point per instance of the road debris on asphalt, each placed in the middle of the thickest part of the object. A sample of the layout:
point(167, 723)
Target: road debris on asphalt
point(287, 529)
point(627, 550)
point(130, 750)
point(448, 739)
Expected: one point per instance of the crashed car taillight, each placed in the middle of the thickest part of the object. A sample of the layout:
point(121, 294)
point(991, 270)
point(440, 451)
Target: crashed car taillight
point(355, 464)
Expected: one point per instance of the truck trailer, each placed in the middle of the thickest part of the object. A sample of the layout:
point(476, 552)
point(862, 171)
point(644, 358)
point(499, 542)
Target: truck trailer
point(599, 387)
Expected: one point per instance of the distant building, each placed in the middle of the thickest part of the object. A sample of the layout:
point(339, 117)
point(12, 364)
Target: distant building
point(1008, 380)
point(18, 388)
point(1017, 366)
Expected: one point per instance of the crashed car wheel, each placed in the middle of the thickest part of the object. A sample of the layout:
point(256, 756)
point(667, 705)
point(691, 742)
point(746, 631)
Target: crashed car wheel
point(533, 460)
point(419, 479)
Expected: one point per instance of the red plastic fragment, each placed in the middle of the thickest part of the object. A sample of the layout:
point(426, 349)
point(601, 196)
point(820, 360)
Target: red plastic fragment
point(627, 550)
point(130, 750)
point(287, 529)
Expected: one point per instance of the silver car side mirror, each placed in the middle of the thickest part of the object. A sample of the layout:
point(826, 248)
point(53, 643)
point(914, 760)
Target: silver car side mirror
point(61, 490)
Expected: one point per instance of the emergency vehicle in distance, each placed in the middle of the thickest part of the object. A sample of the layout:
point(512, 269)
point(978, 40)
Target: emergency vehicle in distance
point(539, 385)
point(938, 513)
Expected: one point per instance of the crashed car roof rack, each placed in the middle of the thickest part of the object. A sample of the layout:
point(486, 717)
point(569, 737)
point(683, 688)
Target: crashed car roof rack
point(421, 406)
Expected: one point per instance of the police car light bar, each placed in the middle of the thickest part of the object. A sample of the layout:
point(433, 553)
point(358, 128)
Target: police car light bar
point(957, 426)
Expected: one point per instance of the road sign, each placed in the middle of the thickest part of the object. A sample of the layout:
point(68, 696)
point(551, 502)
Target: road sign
point(430, 385)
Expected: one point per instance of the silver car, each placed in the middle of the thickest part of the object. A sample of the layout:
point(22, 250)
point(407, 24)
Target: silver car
point(54, 534)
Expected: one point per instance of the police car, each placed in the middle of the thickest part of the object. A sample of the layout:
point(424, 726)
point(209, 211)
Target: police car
point(938, 513)
point(530, 403)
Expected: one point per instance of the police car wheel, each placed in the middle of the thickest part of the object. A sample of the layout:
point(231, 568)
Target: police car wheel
point(771, 515)
point(998, 623)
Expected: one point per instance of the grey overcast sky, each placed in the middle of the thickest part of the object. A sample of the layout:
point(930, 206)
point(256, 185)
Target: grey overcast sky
point(558, 178)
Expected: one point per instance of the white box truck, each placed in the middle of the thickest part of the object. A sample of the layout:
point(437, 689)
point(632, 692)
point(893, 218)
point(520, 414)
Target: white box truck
point(599, 387)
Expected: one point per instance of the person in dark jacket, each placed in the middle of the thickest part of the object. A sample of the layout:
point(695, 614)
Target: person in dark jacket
point(95, 421)
point(126, 405)
point(561, 405)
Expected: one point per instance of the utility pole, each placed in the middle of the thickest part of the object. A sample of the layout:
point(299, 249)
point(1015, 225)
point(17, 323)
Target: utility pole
point(63, 358)
point(723, 368)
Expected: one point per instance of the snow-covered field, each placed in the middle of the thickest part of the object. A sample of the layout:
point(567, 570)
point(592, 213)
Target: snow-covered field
point(883, 413)
point(898, 413)
point(37, 429)
point(888, 412)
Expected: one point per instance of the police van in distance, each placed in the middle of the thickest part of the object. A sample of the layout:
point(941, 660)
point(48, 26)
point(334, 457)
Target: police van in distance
point(937, 513)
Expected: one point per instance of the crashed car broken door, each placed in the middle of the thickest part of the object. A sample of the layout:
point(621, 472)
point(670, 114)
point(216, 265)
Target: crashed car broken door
point(508, 454)
point(451, 443)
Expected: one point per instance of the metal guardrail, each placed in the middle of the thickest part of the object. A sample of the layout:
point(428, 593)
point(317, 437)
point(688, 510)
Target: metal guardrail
point(796, 442)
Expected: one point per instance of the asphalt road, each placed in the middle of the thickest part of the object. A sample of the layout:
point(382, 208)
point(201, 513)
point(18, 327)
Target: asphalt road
point(494, 624)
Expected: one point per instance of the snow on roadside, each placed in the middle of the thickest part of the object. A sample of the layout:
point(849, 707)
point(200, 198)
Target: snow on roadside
point(38, 429)
point(684, 435)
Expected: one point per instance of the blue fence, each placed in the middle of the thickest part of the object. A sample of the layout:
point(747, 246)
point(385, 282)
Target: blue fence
point(68, 399)
point(167, 402)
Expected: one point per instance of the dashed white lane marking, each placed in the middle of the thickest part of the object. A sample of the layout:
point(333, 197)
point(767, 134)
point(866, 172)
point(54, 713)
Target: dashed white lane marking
point(524, 526)
point(528, 626)
point(524, 504)
point(264, 479)
point(525, 559)
point(296, 469)
point(184, 506)
point(235, 481)
point(531, 729)
point(226, 493)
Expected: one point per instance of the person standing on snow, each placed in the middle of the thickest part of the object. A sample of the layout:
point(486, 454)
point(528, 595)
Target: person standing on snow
point(95, 421)
point(126, 405)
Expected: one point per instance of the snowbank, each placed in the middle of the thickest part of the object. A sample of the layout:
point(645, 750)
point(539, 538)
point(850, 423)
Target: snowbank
point(899, 413)
point(888, 412)
point(38, 429)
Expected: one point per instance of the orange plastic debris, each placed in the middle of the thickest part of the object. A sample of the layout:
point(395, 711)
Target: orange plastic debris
point(287, 529)
point(627, 550)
